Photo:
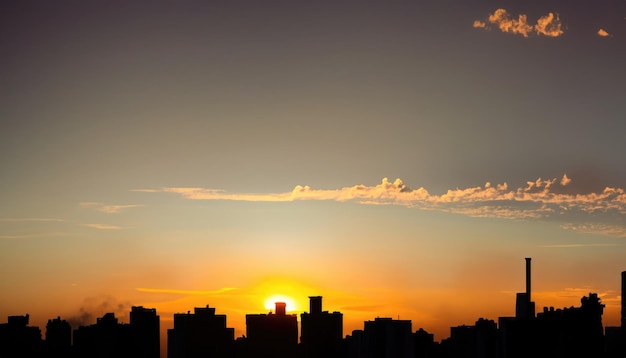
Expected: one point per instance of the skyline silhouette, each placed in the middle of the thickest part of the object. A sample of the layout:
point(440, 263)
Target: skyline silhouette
point(561, 332)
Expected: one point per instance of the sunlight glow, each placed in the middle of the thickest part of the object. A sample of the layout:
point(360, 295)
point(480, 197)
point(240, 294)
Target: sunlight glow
point(270, 302)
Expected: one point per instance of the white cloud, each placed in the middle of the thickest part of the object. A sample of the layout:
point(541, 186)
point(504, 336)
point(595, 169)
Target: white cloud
point(538, 199)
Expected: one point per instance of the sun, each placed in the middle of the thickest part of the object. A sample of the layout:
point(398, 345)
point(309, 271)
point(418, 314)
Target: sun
point(270, 302)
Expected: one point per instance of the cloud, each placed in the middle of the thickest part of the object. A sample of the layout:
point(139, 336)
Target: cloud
point(505, 23)
point(34, 236)
point(32, 220)
point(603, 33)
point(545, 199)
point(548, 25)
point(479, 24)
point(185, 292)
point(366, 308)
point(597, 229)
point(102, 226)
point(105, 208)
point(573, 246)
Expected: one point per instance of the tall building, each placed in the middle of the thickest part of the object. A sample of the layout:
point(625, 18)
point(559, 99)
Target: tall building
point(200, 334)
point(273, 335)
point(524, 306)
point(58, 338)
point(321, 331)
point(145, 326)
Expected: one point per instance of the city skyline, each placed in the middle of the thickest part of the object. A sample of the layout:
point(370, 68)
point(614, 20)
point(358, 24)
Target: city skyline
point(319, 332)
point(396, 158)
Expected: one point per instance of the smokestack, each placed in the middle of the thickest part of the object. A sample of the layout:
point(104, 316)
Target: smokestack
point(624, 302)
point(528, 279)
point(281, 308)
point(315, 304)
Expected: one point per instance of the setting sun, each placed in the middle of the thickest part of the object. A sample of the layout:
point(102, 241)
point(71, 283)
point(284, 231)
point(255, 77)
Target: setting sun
point(270, 302)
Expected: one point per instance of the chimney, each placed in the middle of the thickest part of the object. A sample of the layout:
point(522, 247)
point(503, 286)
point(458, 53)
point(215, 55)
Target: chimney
point(624, 302)
point(315, 304)
point(528, 279)
point(281, 308)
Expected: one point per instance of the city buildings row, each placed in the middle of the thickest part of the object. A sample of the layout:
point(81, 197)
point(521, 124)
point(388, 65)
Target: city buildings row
point(568, 332)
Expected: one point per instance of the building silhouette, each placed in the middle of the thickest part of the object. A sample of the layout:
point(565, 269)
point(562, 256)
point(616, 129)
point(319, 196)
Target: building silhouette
point(200, 334)
point(424, 345)
point(106, 339)
point(145, 326)
point(58, 338)
point(477, 341)
point(321, 332)
point(109, 338)
point(567, 332)
point(18, 339)
point(555, 333)
point(524, 306)
point(382, 338)
point(272, 335)
point(615, 337)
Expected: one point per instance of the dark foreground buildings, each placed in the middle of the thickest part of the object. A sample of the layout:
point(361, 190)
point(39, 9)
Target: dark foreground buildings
point(322, 331)
point(272, 335)
point(200, 334)
point(109, 338)
point(18, 339)
point(555, 333)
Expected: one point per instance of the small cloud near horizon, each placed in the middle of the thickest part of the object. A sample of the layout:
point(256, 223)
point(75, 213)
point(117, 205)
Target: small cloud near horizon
point(32, 220)
point(185, 292)
point(106, 208)
point(603, 33)
point(102, 226)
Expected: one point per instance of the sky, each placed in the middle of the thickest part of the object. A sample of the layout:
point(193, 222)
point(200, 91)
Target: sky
point(398, 158)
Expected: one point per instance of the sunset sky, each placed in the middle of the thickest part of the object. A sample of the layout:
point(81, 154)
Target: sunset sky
point(399, 159)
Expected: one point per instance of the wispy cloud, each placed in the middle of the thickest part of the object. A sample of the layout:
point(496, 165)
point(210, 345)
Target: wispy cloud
point(185, 292)
point(548, 25)
point(36, 235)
point(603, 33)
point(32, 220)
point(102, 226)
point(538, 199)
point(107, 208)
point(597, 228)
point(574, 246)
point(573, 293)
point(366, 308)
